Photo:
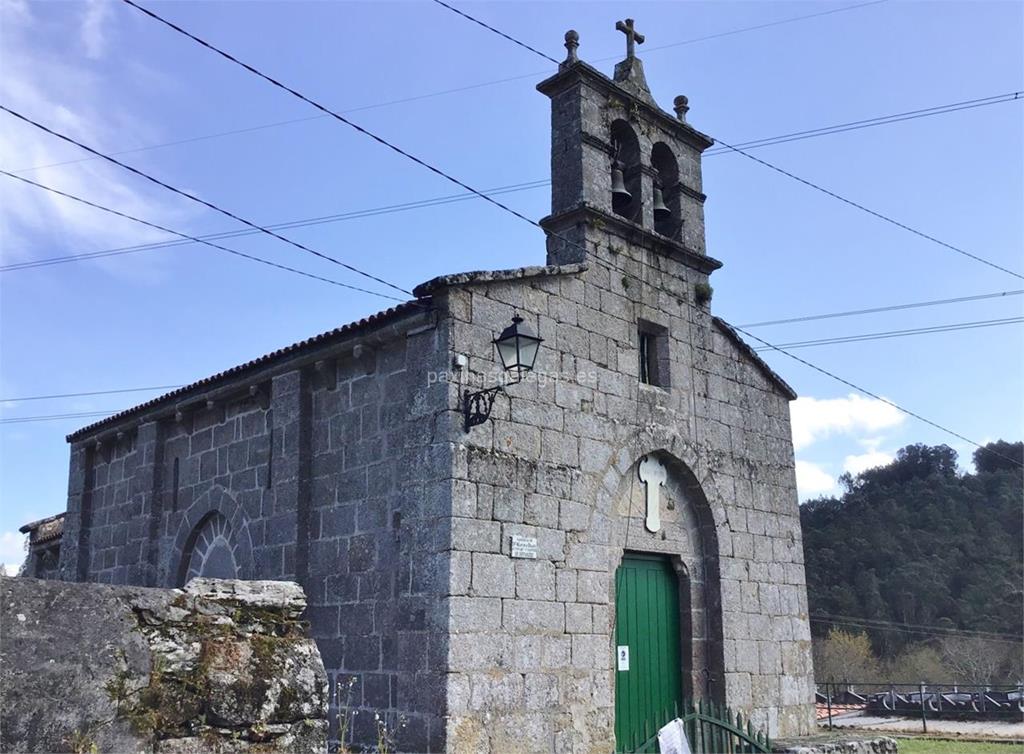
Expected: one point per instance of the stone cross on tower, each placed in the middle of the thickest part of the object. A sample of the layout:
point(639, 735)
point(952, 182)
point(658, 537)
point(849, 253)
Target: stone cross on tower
point(626, 27)
point(653, 475)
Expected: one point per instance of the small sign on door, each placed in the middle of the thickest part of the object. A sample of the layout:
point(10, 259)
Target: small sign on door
point(623, 657)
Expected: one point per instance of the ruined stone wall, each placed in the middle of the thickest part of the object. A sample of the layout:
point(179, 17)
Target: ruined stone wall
point(330, 468)
point(838, 743)
point(532, 640)
point(219, 666)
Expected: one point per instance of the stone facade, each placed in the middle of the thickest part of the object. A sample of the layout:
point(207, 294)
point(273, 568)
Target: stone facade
point(324, 464)
point(342, 463)
point(221, 666)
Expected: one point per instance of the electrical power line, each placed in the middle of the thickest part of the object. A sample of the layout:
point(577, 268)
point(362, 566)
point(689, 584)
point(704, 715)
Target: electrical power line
point(841, 340)
point(324, 109)
point(825, 341)
point(926, 627)
point(767, 141)
point(456, 90)
point(808, 183)
point(53, 417)
point(196, 239)
point(513, 40)
point(873, 213)
point(670, 45)
point(907, 631)
point(874, 395)
point(205, 203)
point(336, 115)
point(881, 120)
point(530, 185)
point(441, 173)
point(320, 220)
point(756, 27)
point(941, 328)
point(90, 392)
point(891, 308)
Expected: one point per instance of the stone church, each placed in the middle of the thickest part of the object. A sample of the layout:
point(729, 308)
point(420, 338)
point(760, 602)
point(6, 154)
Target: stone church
point(547, 565)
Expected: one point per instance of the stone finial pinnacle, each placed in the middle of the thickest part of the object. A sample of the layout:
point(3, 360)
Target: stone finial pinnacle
point(633, 37)
point(681, 104)
point(572, 42)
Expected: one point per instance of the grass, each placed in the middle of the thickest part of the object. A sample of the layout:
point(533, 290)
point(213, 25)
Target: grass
point(935, 746)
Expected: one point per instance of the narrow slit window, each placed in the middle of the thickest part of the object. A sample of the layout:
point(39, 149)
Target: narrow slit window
point(653, 354)
point(175, 475)
point(270, 453)
point(646, 347)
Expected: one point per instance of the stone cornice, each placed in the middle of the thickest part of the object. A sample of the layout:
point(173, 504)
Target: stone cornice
point(581, 71)
point(633, 233)
point(495, 276)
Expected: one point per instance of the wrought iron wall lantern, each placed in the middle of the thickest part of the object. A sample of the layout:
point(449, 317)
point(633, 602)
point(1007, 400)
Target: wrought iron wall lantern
point(517, 348)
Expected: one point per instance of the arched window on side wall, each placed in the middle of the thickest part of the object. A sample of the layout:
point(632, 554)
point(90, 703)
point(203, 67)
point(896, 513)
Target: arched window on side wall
point(210, 551)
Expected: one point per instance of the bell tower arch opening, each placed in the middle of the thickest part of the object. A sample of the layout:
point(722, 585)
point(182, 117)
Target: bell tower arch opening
point(667, 206)
point(627, 193)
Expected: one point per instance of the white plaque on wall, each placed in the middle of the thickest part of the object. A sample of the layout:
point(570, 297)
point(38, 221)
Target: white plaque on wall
point(524, 547)
point(622, 655)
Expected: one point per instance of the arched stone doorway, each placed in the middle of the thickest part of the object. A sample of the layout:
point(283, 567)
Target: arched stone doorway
point(682, 602)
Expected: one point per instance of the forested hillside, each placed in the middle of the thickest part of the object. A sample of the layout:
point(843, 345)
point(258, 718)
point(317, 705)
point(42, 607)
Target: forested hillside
point(916, 544)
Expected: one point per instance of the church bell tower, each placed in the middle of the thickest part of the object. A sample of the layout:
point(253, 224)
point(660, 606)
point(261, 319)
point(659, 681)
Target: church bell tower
point(621, 167)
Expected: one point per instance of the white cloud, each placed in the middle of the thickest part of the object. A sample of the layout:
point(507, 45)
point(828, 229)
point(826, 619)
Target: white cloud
point(93, 32)
point(858, 463)
point(817, 418)
point(12, 551)
point(812, 480)
point(46, 84)
point(872, 456)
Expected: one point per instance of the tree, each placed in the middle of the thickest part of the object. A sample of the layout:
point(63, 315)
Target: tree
point(914, 462)
point(843, 656)
point(977, 661)
point(920, 663)
point(918, 544)
point(999, 456)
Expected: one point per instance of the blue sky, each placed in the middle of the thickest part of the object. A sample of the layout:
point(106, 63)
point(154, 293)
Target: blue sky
point(107, 75)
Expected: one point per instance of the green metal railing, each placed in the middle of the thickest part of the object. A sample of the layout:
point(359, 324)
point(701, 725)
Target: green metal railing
point(710, 729)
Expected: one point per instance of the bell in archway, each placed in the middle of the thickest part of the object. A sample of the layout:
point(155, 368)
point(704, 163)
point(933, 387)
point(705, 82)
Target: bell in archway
point(620, 194)
point(661, 212)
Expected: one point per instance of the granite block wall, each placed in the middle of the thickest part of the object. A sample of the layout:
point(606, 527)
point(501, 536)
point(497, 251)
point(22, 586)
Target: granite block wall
point(330, 468)
point(531, 644)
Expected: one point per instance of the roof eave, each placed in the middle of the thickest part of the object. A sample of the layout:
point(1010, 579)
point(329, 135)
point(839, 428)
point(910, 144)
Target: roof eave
point(482, 277)
point(730, 332)
point(175, 397)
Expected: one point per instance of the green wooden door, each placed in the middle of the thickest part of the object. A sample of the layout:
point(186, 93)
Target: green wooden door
point(649, 673)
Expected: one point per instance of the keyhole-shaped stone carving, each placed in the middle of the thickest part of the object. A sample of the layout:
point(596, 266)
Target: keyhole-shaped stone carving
point(653, 475)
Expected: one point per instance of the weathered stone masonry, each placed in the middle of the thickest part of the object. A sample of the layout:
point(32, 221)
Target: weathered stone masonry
point(325, 463)
point(341, 462)
point(221, 666)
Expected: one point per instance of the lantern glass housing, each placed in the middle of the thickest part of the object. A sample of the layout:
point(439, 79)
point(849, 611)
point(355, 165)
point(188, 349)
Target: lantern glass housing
point(517, 347)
